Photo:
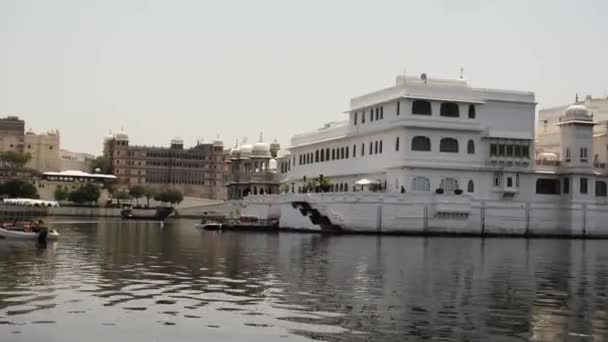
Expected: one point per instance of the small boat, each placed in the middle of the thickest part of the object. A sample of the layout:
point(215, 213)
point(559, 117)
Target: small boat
point(160, 214)
point(21, 234)
point(210, 226)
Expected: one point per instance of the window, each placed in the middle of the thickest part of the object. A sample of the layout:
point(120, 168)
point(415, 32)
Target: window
point(371, 115)
point(509, 150)
point(316, 156)
point(421, 143)
point(362, 149)
point(397, 144)
point(376, 147)
point(327, 154)
point(354, 151)
point(493, 150)
point(497, 181)
point(355, 120)
point(583, 185)
point(398, 108)
point(568, 154)
point(381, 114)
point(449, 184)
point(472, 112)
point(333, 154)
point(471, 147)
point(509, 182)
point(547, 186)
point(377, 114)
point(567, 185)
point(362, 117)
point(449, 109)
point(449, 145)
point(322, 157)
point(371, 147)
point(470, 186)
point(601, 189)
point(501, 150)
point(583, 153)
point(421, 184)
point(347, 154)
point(420, 107)
point(380, 146)
point(342, 153)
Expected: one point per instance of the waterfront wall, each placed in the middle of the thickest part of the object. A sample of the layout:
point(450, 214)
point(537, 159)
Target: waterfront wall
point(19, 211)
point(431, 214)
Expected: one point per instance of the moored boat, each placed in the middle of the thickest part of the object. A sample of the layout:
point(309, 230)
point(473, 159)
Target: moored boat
point(160, 214)
point(21, 234)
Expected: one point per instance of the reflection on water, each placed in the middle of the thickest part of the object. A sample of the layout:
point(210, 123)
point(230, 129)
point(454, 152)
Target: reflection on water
point(112, 279)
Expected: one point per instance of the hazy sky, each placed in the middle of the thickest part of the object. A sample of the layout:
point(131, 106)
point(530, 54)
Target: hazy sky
point(198, 68)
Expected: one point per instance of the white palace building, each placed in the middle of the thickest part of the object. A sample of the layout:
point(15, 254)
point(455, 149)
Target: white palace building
point(436, 156)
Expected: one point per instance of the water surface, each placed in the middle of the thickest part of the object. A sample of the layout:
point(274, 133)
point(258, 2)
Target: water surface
point(139, 281)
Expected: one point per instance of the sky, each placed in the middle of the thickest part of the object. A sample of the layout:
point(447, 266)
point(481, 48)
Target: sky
point(198, 69)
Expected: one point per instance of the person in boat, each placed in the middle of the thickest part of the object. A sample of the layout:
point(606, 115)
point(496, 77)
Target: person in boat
point(38, 226)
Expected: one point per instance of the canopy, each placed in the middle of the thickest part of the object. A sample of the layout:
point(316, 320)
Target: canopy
point(366, 181)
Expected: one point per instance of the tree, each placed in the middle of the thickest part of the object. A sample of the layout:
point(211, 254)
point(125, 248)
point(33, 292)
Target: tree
point(14, 159)
point(172, 196)
point(121, 195)
point(149, 193)
point(284, 188)
point(61, 193)
point(86, 193)
point(18, 188)
point(137, 192)
point(103, 163)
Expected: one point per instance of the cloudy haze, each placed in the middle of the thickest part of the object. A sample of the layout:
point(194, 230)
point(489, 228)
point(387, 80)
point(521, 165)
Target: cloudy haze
point(196, 69)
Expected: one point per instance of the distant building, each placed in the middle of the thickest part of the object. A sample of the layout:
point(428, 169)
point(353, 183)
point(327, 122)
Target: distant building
point(69, 180)
point(253, 170)
point(44, 148)
point(76, 161)
point(197, 171)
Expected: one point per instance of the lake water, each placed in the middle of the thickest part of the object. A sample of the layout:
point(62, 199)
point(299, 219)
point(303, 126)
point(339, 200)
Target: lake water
point(117, 281)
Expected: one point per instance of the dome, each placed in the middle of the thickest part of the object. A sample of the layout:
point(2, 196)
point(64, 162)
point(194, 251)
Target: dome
point(577, 110)
point(261, 149)
point(177, 141)
point(218, 143)
point(122, 135)
point(245, 150)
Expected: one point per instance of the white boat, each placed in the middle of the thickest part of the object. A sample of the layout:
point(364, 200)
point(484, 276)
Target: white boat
point(209, 226)
point(23, 235)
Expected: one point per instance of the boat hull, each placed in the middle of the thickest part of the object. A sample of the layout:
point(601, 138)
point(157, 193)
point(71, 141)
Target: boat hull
point(159, 214)
point(21, 235)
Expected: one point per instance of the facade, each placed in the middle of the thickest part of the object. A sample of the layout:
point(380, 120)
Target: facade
point(445, 158)
point(199, 171)
point(252, 170)
point(43, 147)
point(76, 161)
point(71, 180)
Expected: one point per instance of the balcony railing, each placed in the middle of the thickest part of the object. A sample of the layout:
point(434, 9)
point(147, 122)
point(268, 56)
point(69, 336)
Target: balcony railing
point(547, 162)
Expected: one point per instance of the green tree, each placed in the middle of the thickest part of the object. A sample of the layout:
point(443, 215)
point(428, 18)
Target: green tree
point(86, 193)
point(172, 196)
point(103, 163)
point(61, 193)
point(137, 192)
point(149, 193)
point(285, 188)
point(14, 159)
point(121, 195)
point(18, 188)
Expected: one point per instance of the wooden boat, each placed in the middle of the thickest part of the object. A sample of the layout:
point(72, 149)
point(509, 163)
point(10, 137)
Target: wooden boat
point(160, 214)
point(20, 233)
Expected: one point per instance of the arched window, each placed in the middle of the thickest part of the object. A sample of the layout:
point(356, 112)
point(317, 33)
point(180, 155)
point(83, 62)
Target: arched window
point(470, 147)
point(376, 147)
point(421, 143)
point(316, 156)
point(347, 154)
point(471, 186)
point(255, 190)
point(380, 146)
point(449, 184)
point(449, 145)
point(421, 184)
point(340, 187)
point(420, 107)
point(397, 144)
point(342, 154)
point(333, 154)
point(327, 153)
point(449, 109)
point(322, 156)
point(345, 187)
point(354, 151)
point(472, 112)
point(261, 191)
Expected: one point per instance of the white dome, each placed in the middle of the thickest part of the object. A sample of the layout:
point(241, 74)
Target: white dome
point(261, 149)
point(122, 135)
point(577, 110)
point(245, 150)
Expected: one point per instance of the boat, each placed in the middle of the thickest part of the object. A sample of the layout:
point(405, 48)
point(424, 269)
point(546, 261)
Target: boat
point(20, 233)
point(160, 214)
point(210, 225)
